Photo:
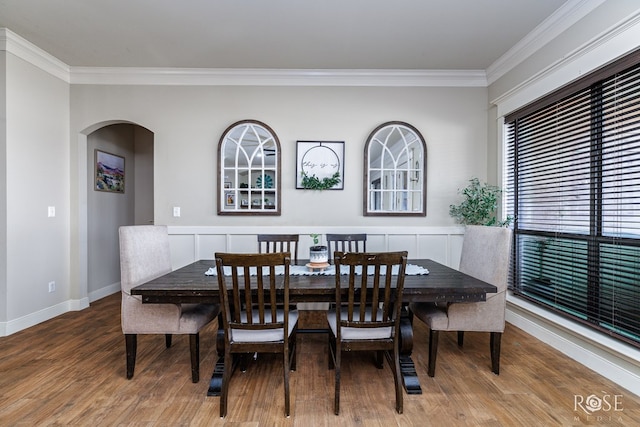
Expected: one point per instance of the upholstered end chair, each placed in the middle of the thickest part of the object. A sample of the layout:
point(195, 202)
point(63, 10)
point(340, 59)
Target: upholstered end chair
point(145, 255)
point(485, 256)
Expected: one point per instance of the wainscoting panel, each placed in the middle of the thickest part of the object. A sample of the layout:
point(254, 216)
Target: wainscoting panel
point(441, 244)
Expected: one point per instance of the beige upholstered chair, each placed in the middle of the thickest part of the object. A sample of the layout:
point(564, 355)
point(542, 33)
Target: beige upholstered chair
point(369, 315)
point(145, 255)
point(486, 252)
point(262, 324)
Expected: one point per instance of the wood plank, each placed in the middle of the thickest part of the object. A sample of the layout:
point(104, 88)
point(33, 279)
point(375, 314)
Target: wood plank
point(71, 371)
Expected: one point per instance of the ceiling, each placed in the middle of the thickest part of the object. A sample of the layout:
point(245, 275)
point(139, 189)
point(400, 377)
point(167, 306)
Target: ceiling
point(277, 34)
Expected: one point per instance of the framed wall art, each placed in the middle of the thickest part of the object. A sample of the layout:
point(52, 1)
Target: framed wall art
point(229, 198)
point(109, 172)
point(320, 165)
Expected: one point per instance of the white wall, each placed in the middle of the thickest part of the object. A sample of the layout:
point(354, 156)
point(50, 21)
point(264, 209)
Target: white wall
point(188, 121)
point(37, 176)
point(3, 192)
point(143, 179)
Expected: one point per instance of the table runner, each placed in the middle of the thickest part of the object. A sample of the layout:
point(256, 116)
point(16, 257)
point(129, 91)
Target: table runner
point(301, 270)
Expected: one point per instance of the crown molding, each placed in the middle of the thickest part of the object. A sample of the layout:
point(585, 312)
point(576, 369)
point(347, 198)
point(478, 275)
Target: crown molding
point(277, 77)
point(567, 15)
point(613, 43)
point(16, 45)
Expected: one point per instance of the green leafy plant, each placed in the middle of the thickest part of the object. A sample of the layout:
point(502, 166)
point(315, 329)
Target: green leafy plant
point(316, 238)
point(314, 183)
point(479, 206)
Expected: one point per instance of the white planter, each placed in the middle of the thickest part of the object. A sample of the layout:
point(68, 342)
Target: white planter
point(318, 254)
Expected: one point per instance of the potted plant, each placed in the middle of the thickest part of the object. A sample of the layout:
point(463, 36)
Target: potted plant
point(318, 254)
point(479, 206)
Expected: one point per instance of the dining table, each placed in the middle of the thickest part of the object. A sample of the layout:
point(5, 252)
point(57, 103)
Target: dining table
point(430, 281)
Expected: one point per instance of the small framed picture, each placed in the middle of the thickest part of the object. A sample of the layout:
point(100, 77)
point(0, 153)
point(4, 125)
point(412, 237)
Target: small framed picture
point(227, 185)
point(229, 198)
point(109, 172)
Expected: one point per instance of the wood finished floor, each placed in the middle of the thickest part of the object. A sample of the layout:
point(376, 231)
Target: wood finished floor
point(70, 371)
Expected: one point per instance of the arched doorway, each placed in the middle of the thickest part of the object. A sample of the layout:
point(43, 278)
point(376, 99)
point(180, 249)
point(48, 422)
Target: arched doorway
point(102, 211)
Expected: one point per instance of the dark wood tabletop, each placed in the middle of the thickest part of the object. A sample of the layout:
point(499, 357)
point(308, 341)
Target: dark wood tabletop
point(190, 284)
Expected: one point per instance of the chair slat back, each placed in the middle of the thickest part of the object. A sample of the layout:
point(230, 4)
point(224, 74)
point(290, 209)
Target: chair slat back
point(346, 243)
point(374, 296)
point(257, 289)
point(268, 243)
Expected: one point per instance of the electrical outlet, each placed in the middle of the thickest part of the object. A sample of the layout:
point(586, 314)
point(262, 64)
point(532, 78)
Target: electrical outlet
point(176, 211)
point(52, 286)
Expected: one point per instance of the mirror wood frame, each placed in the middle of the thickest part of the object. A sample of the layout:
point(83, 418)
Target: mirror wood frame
point(236, 190)
point(366, 203)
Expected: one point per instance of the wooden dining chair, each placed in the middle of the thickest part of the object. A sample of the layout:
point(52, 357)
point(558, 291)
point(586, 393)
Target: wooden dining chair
point(144, 255)
point(269, 243)
point(346, 243)
point(369, 318)
point(485, 255)
point(255, 312)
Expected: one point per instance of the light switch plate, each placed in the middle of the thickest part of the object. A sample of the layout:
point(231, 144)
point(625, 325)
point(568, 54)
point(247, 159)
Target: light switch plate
point(176, 211)
point(51, 211)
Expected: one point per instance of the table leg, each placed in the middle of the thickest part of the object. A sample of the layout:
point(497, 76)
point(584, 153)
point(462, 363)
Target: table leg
point(407, 367)
point(215, 384)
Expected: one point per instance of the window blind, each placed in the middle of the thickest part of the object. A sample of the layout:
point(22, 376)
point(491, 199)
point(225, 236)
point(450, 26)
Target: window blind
point(573, 187)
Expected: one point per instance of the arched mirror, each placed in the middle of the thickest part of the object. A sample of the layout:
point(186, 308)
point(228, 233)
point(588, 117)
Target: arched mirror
point(249, 170)
point(394, 171)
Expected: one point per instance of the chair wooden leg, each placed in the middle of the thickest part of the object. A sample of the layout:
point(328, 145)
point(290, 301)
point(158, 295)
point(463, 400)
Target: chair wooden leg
point(226, 377)
point(338, 356)
point(460, 338)
point(285, 369)
point(496, 338)
point(397, 378)
point(380, 359)
point(292, 350)
point(332, 350)
point(433, 352)
point(245, 358)
point(167, 340)
point(194, 347)
point(131, 345)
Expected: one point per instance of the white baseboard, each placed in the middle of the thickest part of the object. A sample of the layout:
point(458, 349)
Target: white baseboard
point(611, 358)
point(43, 315)
point(104, 292)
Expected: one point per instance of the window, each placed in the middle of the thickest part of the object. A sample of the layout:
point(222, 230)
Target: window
point(573, 185)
